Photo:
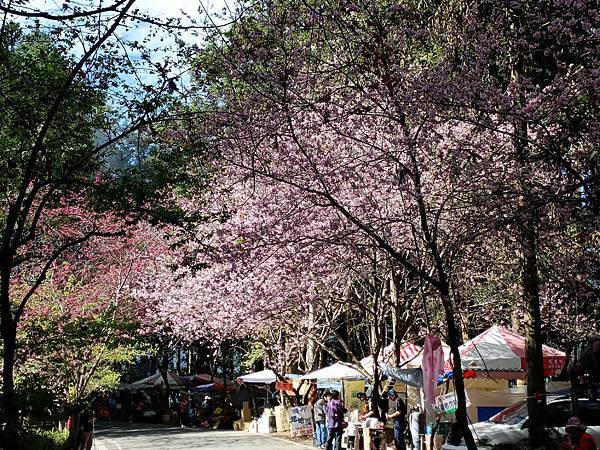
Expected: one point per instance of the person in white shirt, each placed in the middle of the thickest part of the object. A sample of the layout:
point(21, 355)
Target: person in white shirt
point(413, 420)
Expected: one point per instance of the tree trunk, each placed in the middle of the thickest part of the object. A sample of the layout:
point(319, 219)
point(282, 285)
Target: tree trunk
point(536, 388)
point(164, 372)
point(312, 351)
point(397, 329)
point(454, 338)
point(376, 394)
point(528, 227)
point(8, 384)
point(9, 339)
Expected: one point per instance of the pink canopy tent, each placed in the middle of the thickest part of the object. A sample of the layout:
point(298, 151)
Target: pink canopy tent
point(408, 352)
point(502, 353)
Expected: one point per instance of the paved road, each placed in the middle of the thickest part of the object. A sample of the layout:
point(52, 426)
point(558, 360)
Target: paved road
point(156, 437)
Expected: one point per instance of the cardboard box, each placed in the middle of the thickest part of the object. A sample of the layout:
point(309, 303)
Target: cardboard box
point(282, 419)
point(246, 414)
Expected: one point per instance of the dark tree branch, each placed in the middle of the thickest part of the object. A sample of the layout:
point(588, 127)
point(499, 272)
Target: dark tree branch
point(61, 17)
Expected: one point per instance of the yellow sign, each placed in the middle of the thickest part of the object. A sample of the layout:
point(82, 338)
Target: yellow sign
point(351, 391)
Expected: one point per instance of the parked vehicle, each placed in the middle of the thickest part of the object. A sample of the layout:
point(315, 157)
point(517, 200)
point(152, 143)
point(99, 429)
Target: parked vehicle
point(510, 426)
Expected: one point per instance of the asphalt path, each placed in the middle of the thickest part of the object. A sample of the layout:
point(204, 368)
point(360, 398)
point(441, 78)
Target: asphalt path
point(125, 436)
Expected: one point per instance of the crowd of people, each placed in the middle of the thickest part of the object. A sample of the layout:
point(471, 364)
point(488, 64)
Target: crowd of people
point(193, 409)
point(330, 421)
point(329, 418)
point(125, 405)
point(197, 411)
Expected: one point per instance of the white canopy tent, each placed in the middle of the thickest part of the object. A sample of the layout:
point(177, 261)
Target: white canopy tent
point(266, 376)
point(337, 371)
point(155, 380)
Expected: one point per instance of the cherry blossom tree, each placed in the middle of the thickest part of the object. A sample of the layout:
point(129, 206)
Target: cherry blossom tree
point(429, 132)
point(87, 316)
point(356, 145)
point(524, 72)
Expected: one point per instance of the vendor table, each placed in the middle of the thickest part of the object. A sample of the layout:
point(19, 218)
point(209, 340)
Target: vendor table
point(376, 439)
point(353, 437)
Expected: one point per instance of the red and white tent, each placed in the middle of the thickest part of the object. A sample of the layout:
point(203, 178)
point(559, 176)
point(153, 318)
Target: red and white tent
point(408, 352)
point(502, 352)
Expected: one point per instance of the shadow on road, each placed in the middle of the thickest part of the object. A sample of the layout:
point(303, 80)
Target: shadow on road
point(116, 429)
point(127, 436)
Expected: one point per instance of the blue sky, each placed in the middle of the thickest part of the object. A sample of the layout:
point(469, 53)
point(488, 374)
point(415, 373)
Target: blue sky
point(159, 9)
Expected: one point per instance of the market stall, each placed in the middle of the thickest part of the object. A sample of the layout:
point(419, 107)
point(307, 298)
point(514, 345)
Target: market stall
point(147, 399)
point(349, 381)
point(156, 380)
point(258, 412)
point(488, 361)
point(408, 352)
point(337, 371)
point(500, 353)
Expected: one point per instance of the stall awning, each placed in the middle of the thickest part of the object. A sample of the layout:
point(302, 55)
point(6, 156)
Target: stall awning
point(155, 380)
point(337, 371)
point(211, 387)
point(266, 376)
point(410, 377)
point(502, 352)
point(407, 353)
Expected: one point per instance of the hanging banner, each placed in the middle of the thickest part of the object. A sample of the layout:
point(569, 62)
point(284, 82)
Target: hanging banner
point(301, 421)
point(448, 403)
point(351, 391)
point(286, 386)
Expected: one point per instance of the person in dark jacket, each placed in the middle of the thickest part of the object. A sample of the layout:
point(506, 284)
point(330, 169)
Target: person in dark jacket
point(397, 414)
point(335, 421)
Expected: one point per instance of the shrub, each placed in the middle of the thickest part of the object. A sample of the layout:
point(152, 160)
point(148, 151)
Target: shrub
point(38, 439)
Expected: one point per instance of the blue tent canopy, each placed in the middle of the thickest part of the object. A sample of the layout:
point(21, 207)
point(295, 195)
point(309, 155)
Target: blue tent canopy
point(410, 377)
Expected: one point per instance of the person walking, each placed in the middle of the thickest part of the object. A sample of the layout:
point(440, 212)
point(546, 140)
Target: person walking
point(335, 421)
point(397, 414)
point(182, 410)
point(320, 414)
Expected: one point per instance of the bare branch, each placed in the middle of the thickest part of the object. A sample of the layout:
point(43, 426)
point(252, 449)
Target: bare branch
point(34, 14)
